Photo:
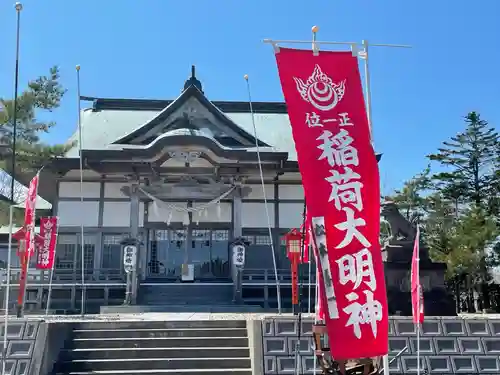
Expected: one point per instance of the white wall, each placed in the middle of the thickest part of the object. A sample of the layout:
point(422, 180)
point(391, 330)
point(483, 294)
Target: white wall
point(162, 213)
point(291, 192)
point(257, 192)
point(116, 214)
point(254, 215)
point(72, 189)
point(291, 215)
point(73, 213)
point(112, 190)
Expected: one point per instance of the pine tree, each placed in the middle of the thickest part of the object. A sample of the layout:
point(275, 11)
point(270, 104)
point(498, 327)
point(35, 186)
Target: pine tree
point(470, 156)
point(43, 94)
point(411, 198)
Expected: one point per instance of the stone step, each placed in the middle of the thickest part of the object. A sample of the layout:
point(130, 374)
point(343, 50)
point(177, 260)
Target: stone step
point(153, 364)
point(170, 353)
point(181, 308)
point(172, 324)
point(243, 371)
point(149, 333)
point(175, 342)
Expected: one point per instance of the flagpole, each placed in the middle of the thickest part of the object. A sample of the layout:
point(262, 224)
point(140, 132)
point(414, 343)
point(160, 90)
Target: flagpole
point(7, 291)
point(19, 8)
point(82, 238)
point(51, 277)
point(310, 278)
point(268, 216)
point(316, 296)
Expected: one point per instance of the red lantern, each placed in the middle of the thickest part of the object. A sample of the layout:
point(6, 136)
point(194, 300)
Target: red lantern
point(293, 250)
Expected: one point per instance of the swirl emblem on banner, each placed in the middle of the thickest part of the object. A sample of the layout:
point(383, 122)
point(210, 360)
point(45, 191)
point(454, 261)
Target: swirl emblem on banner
point(320, 90)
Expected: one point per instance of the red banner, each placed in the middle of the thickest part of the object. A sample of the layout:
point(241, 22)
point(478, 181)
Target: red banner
point(324, 96)
point(29, 248)
point(29, 215)
point(47, 246)
point(417, 298)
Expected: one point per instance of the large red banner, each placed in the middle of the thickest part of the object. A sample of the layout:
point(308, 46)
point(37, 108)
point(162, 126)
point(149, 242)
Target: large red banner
point(47, 244)
point(324, 96)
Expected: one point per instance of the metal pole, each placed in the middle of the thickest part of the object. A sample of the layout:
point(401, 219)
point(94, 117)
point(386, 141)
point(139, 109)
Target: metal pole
point(368, 96)
point(275, 264)
point(7, 290)
point(82, 238)
point(19, 8)
point(309, 278)
point(49, 294)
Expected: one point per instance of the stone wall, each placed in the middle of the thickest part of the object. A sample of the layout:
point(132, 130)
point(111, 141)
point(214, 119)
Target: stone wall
point(447, 345)
point(21, 345)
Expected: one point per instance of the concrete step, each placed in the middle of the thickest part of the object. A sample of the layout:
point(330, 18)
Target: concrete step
point(112, 325)
point(149, 333)
point(167, 353)
point(162, 342)
point(181, 308)
point(153, 364)
point(243, 371)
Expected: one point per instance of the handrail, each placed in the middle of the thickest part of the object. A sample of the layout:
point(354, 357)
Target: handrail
point(399, 354)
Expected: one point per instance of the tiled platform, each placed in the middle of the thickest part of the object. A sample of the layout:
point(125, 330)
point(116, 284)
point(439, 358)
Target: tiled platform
point(21, 338)
point(447, 345)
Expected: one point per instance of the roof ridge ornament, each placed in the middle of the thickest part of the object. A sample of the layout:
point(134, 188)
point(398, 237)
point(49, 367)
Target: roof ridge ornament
point(193, 81)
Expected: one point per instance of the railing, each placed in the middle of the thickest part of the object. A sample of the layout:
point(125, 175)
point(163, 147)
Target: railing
point(267, 277)
point(66, 276)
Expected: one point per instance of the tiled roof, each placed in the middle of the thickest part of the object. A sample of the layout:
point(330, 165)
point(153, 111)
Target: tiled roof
point(102, 128)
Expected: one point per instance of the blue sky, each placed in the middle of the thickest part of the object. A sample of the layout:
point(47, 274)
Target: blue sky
point(144, 49)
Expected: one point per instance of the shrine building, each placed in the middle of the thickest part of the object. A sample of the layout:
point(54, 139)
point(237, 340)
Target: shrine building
point(182, 177)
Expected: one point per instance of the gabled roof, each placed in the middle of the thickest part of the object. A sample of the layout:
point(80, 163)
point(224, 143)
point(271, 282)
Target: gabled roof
point(192, 91)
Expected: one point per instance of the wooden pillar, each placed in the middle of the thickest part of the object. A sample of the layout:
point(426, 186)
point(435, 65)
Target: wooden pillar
point(134, 234)
point(237, 273)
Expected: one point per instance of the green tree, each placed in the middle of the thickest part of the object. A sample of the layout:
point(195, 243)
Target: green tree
point(44, 94)
point(411, 199)
point(469, 156)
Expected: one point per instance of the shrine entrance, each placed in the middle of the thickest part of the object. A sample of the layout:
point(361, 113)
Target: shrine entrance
point(204, 254)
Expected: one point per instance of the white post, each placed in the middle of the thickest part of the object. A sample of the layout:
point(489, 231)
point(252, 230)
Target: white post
point(310, 279)
point(268, 216)
point(368, 95)
point(82, 238)
point(316, 297)
point(7, 288)
point(51, 277)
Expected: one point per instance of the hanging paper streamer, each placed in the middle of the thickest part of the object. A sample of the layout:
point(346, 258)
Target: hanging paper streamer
point(169, 219)
point(219, 210)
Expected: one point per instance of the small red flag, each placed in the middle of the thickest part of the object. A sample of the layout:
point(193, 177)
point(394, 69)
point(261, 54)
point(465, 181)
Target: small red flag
point(417, 296)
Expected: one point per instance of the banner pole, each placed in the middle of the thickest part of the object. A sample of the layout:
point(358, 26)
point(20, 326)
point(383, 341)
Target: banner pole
point(309, 280)
point(7, 290)
point(316, 296)
point(368, 95)
point(275, 265)
point(82, 238)
point(49, 294)
point(19, 8)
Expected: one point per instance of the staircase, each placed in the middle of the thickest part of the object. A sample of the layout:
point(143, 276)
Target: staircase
point(188, 298)
point(207, 347)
